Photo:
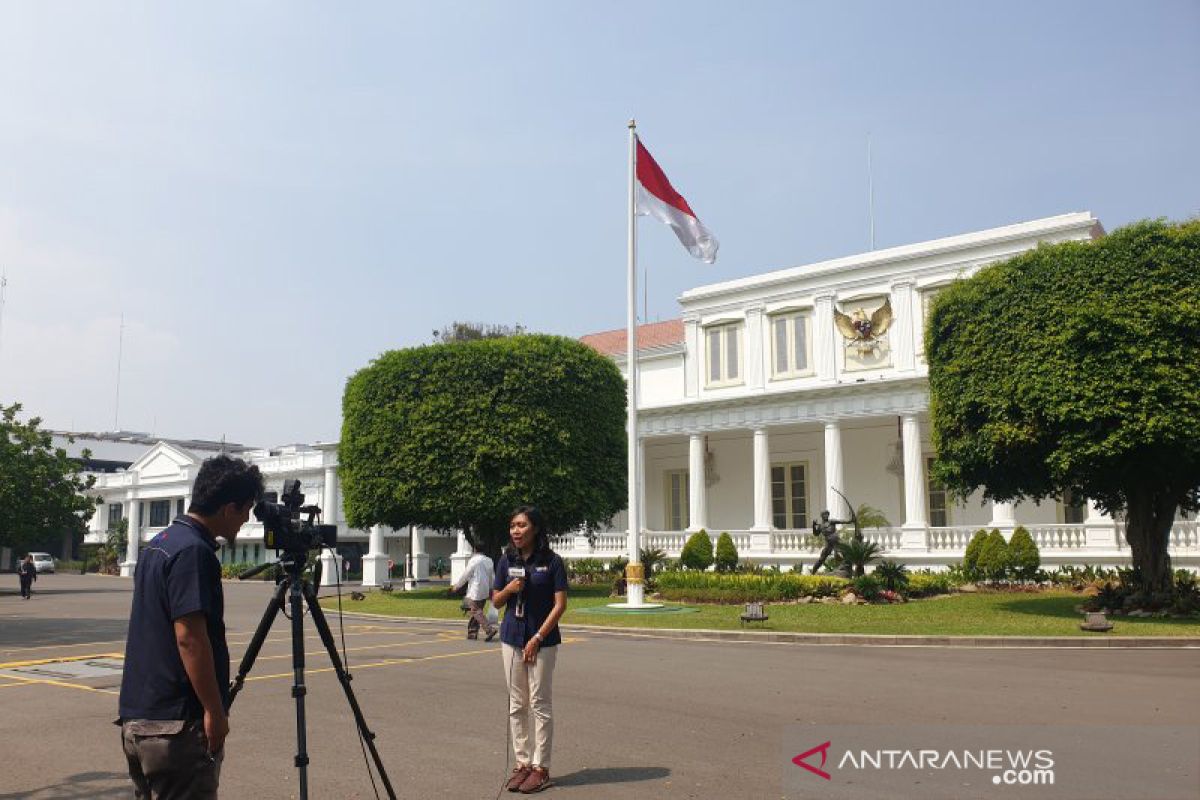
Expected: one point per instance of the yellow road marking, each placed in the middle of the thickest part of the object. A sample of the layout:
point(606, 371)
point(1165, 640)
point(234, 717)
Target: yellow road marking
point(60, 660)
point(64, 684)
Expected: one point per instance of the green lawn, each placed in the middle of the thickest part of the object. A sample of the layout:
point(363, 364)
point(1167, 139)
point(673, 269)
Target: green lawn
point(1050, 613)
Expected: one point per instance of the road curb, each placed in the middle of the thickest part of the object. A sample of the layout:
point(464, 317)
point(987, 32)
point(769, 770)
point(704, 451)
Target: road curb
point(1101, 641)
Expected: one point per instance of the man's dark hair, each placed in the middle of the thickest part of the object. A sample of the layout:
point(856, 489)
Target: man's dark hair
point(223, 480)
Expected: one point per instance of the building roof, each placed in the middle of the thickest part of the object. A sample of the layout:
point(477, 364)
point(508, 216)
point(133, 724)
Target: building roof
point(649, 337)
point(118, 449)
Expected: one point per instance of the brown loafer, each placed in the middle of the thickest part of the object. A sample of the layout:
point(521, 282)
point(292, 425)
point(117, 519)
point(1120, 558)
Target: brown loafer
point(519, 774)
point(538, 779)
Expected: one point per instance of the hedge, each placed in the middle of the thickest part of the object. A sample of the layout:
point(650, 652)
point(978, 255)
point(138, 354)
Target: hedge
point(726, 588)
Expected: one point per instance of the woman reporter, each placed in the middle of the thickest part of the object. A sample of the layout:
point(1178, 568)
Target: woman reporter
point(529, 640)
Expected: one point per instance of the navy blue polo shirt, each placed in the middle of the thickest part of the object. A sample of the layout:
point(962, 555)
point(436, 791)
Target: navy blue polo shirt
point(545, 574)
point(177, 574)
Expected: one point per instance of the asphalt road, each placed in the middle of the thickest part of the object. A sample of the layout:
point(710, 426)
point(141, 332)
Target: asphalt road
point(635, 717)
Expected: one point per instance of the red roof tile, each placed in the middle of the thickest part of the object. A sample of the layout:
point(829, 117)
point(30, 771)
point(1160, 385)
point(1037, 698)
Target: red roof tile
point(655, 334)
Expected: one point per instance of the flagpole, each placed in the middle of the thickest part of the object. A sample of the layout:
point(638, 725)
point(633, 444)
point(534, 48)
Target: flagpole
point(635, 588)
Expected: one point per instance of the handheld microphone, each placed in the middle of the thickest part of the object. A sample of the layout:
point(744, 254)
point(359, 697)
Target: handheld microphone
point(516, 569)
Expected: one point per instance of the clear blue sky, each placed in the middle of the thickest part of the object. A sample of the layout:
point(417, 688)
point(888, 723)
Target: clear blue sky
point(275, 193)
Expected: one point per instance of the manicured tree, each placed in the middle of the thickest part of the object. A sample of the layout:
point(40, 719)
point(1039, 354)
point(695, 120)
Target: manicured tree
point(1023, 554)
point(994, 561)
point(457, 435)
point(42, 489)
point(1075, 367)
point(697, 552)
point(726, 557)
point(971, 555)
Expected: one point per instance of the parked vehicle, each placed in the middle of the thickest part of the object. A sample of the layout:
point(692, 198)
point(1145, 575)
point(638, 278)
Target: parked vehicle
point(43, 562)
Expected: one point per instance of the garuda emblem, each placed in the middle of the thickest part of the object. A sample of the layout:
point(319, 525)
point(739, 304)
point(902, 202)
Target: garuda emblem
point(862, 333)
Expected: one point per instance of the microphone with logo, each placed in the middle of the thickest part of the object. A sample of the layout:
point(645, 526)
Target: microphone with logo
point(516, 569)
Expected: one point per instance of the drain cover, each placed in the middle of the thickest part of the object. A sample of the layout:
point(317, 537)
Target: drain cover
point(61, 670)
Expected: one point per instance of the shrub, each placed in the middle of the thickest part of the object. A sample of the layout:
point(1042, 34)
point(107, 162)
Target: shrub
point(857, 553)
point(927, 584)
point(725, 588)
point(727, 555)
point(697, 552)
point(586, 571)
point(970, 560)
point(994, 562)
point(867, 587)
point(892, 574)
point(617, 565)
point(1023, 555)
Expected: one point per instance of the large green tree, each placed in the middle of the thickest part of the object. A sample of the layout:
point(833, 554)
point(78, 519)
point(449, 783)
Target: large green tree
point(41, 487)
point(457, 435)
point(1076, 367)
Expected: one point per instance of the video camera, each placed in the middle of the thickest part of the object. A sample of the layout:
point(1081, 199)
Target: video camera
point(283, 527)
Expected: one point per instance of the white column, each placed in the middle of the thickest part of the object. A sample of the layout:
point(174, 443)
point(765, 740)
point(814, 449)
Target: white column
point(331, 567)
point(133, 543)
point(1100, 529)
point(462, 554)
point(329, 498)
point(1004, 517)
point(697, 487)
point(375, 561)
point(762, 481)
point(824, 339)
point(834, 477)
point(916, 525)
point(753, 350)
point(901, 334)
point(693, 356)
point(420, 558)
point(644, 478)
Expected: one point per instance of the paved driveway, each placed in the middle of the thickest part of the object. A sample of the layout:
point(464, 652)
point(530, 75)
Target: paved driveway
point(634, 717)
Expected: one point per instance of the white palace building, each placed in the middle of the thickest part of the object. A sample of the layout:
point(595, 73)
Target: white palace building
point(766, 395)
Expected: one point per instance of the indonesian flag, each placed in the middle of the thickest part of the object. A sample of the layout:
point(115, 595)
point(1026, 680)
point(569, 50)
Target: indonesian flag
point(657, 198)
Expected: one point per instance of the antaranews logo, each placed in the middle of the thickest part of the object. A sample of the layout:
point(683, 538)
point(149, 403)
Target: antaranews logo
point(823, 749)
point(1010, 767)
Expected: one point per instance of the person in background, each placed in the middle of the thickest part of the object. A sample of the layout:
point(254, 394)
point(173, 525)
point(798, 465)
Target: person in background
point(529, 639)
point(476, 579)
point(27, 574)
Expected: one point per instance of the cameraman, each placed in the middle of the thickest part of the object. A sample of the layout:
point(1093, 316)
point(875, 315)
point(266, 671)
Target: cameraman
point(175, 687)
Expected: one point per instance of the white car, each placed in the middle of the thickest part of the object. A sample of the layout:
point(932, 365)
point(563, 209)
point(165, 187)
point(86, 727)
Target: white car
point(43, 562)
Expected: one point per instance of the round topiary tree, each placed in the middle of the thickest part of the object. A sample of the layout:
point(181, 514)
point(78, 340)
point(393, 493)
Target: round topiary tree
point(457, 435)
point(971, 555)
point(1023, 554)
point(697, 552)
point(726, 557)
point(1074, 367)
point(994, 562)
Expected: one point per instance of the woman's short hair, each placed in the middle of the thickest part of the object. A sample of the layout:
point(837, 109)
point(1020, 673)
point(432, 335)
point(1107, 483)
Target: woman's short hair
point(223, 480)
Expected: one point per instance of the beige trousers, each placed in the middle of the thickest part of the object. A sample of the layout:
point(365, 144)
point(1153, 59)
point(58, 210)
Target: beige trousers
point(529, 687)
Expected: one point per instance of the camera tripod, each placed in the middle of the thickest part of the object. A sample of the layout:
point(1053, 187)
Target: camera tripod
point(299, 591)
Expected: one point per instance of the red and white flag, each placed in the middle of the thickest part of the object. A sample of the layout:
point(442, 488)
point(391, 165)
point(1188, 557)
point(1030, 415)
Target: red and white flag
point(657, 198)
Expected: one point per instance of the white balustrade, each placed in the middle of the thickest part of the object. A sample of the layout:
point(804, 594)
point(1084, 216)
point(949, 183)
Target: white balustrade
point(1058, 537)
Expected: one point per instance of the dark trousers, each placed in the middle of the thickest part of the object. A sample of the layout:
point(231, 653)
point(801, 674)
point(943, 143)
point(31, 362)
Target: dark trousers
point(26, 586)
point(169, 760)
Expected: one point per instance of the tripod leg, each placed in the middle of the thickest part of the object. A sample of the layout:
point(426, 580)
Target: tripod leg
point(260, 636)
point(344, 678)
point(298, 689)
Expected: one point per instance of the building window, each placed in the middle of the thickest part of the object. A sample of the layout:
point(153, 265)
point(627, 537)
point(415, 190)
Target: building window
point(1074, 511)
point(939, 508)
point(724, 354)
point(160, 513)
point(789, 342)
point(789, 495)
point(677, 499)
point(179, 509)
point(115, 513)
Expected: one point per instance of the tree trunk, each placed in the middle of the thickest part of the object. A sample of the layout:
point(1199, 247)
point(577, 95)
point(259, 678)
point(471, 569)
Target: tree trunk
point(1149, 517)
